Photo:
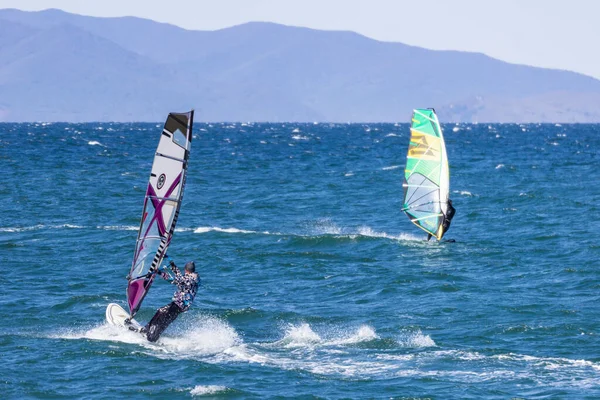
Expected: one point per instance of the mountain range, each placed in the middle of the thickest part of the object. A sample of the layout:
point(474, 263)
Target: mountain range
point(57, 66)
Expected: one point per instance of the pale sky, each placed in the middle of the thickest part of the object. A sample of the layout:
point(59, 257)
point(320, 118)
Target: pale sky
point(561, 34)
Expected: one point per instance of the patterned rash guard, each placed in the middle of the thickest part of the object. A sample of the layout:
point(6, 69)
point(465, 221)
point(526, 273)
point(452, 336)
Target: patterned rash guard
point(187, 286)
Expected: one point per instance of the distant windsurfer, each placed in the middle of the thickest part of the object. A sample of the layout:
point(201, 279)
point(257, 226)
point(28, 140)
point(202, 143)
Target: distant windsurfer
point(187, 286)
point(450, 211)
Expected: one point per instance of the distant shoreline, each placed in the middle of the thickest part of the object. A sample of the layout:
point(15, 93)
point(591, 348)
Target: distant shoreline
point(57, 66)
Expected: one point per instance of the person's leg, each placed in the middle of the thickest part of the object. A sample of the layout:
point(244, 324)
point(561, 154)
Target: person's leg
point(158, 315)
point(162, 319)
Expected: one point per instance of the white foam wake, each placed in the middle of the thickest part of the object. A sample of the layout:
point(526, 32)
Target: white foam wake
point(325, 351)
point(302, 335)
point(73, 226)
point(415, 340)
point(69, 226)
point(369, 232)
point(39, 227)
point(206, 390)
point(463, 193)
point(105, 332)
point(364, 333)
point(329, 351)
point(321, 227)
point(200, 336)
point(300, 137)
point(205, 229)
point(299, 336)
point(327, 227)
point(118, 227)
point(21, 229)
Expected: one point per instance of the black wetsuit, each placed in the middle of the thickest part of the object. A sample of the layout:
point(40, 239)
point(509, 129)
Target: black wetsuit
point(447, 220)
point(187, 286)
point(162, 319)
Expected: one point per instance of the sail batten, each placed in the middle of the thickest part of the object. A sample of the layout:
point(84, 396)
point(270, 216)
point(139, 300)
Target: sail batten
point(426, 176)
point(427, 217)
point(162, 202)
point(170, 157)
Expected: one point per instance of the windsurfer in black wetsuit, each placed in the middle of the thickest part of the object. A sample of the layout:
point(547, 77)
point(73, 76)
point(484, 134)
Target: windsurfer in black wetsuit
point(187, 286)
point(450, 211)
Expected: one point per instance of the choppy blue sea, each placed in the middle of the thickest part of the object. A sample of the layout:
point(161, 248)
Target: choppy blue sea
point(314, 284)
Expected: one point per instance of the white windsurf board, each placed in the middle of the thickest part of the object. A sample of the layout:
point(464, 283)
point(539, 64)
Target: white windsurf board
point(116, 315)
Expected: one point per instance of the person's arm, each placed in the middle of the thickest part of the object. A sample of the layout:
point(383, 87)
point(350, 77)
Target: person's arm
point(174, 268)
point(178, 279)
point(163, 273)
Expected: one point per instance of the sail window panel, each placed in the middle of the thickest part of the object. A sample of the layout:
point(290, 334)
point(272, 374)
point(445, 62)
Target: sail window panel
point(419, 187)
point(146, 251)
point(168, 214)
point(425, 201)
point(422, 201)
point(180, 139)
point(149, 222)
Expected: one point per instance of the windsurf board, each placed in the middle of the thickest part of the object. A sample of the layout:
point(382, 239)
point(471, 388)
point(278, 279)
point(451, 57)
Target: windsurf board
point(116, 315)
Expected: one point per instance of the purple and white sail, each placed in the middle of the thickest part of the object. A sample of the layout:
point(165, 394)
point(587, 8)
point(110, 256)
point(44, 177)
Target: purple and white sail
point(161, 205)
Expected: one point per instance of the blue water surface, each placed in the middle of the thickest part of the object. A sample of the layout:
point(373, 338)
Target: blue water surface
point(314, 284)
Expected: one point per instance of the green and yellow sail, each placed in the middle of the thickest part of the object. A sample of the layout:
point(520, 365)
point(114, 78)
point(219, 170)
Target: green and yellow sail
point(426, 176)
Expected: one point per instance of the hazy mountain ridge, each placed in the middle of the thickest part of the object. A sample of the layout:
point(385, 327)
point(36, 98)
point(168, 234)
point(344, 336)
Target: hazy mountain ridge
point(59, 66)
